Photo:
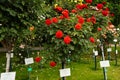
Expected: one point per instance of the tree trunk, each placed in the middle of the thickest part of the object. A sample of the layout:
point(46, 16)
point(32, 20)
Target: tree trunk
point(63, 66)
point(8, 61)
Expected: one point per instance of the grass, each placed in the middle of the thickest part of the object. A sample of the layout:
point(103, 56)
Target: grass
point(81, 70)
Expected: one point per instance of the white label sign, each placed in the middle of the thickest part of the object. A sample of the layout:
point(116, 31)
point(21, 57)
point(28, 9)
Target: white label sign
point(65, 72)
point(29, 61)
point(11, 55)
point(105, 63)
point(109, 50)
point(116, 51)
point(8, 76)
point(115, 40)
point(96, 53)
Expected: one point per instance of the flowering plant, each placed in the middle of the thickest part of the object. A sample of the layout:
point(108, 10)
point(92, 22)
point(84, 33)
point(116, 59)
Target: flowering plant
point(73, 30)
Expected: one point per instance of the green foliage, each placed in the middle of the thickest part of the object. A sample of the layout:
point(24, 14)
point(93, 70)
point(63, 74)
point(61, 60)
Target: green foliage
point(16, 18)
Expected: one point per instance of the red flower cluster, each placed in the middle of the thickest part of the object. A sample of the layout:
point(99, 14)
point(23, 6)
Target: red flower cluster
point(88, 1)
point(99, 6)
point(52, 64)
point(80, 7)
point(67, 40)
point(38, 59)
point(78, 26)
point(59, 34)
point(74, 11)
point(92, 40)
point(49, 21)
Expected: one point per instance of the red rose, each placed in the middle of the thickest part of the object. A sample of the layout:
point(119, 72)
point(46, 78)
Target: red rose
point(99, 29)
point(99, 6)
point(61, 17)
point(67, 39)
point(78, 26)
point(85, 6)
point(58, 8)
point(52, 64)
point(104, 3)
point(93, 19)
point(105, 12)
point(107, 9)
point(88, 1)
point(38, 59)
point(65, 13)
point(74, 11)
point(59, 34)
point(81, 20)
point(88, 20)
point(92, 40)
point(54, 20)
point(48, 22)
point(112, 14)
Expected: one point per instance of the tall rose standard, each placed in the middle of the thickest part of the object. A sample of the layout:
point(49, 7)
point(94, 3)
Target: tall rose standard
point(73, 31)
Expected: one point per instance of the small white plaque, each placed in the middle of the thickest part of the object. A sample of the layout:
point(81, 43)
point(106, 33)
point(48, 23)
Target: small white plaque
point(105, 63)
point(115, 40)
point(11, 55)
point(96, 53)
point(93, 50)
point(29, 61)
point(8, 76)
point(65, 72)
point(116, 51)
point(109, 50)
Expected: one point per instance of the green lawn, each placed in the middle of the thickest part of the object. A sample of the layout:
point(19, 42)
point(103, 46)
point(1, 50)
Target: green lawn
point(81, 70)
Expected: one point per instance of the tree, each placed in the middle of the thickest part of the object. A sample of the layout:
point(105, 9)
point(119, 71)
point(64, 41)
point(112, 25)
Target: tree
point(19, 19)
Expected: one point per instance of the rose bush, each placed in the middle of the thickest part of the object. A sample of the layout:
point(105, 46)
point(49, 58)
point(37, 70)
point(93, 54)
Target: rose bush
point(72, 31)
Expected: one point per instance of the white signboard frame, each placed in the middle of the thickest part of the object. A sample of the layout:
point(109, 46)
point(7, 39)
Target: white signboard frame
point(8, 76)
point(65, 72)
point(29, 61)
point(105, 63)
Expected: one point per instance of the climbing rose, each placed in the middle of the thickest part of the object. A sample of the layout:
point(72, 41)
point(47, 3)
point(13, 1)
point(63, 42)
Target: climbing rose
point(67, 39)
point(52, 64)
point(105, 12)
point(104, 3)
point(54, 20)
point(88, 1)
point(48, 22)
point(78, 26)
point(92, 40)
point(99, 29)
point(59, 34)
point(38, 59)
point(99, 6)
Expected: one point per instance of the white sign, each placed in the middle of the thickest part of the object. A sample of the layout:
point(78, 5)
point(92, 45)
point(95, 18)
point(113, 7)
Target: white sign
point(93, 50)
point(8, 76)
point(105, 63)
point(109, 50)
point(96, 53)
point(29, 61)
point(11, 55)
point(116, 51)
point(65, 72)
point(115, 40)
